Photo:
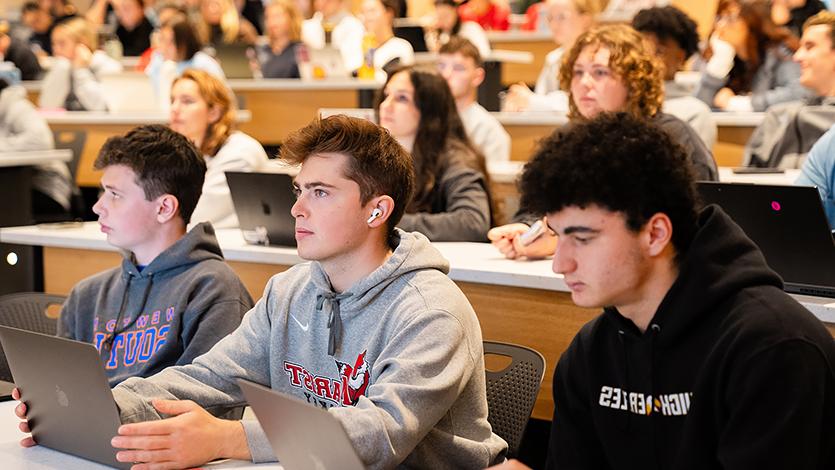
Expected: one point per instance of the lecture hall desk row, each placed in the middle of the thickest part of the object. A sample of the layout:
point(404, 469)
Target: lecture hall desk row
point(517, 302)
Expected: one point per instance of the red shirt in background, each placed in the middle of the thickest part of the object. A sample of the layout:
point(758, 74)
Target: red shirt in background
point(494, 18)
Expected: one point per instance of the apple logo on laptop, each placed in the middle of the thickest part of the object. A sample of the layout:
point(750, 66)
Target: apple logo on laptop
point(62, 397)
point(266, 208)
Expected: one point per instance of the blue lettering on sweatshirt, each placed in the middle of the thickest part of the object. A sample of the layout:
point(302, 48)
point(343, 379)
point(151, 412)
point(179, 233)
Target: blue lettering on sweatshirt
point(137, 346)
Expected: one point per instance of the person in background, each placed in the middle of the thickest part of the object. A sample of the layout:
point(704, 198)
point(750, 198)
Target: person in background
point(72, 81)
point(18, 53)
point(699, 359)
point(674, 37)
point(334, 26)
point(253, 11)
point(134, 29)
point(23, 129)
point(220, 23)
point(819, 170)
point(794, 13)
point(451, 201)
point(389, 51)
point(179, 49)
point(749, 62)
point(173, 296)
point(203, 110)
point(789, 130)
point(460, 64)
point(132, 25)
point(40, 22)
point(60, 10)
point(448, 25)
point(489, 14)
point(609, 69)
point(567, 20)
point(277, 58)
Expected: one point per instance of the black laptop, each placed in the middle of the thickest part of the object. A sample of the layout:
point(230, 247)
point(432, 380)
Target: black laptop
point(263, 202)
point(789, 225)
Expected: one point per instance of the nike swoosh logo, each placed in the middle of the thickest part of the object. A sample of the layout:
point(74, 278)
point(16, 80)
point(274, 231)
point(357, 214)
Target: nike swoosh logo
point(303, 327)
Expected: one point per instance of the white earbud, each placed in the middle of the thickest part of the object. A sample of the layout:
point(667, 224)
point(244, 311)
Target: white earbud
point(374, 214)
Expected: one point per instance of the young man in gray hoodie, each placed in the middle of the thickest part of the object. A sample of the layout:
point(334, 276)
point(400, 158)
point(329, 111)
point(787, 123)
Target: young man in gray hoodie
point(371, 329)
point(173, 297)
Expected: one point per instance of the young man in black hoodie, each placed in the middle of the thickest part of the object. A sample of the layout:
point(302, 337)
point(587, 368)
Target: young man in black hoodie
point(699, 359)
point(174, 296)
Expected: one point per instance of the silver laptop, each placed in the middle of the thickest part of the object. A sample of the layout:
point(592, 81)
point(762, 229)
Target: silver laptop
point(302, 436)
point(129, 92)
point(62, 382)
point(262, 202)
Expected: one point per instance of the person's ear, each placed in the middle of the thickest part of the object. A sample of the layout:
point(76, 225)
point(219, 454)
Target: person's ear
point(380, 209)
point(478, 77)
point(658, 233)
point(214, 114)
point(168, 207)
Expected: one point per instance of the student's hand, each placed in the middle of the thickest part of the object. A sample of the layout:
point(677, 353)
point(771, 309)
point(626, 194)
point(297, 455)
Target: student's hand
point(506, 239)
point(510, 465)
point(82, 57)
point(723, 98)
point(20, 411)
point(190, 438)
point(722, 60)
point(518, 98)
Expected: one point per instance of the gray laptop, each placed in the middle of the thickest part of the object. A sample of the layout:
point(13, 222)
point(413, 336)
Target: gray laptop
point(790, 227)
point(71, 408)
point(235, 59)
point(302, 436)
point(263, 202)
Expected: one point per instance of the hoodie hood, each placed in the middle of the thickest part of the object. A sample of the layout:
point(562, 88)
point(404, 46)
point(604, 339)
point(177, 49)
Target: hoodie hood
point(199, 244)
point(413, 253)
point(720, 261)
point(10, 95)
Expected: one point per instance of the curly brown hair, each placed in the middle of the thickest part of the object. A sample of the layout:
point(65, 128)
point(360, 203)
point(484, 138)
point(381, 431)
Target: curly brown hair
point(631, 62)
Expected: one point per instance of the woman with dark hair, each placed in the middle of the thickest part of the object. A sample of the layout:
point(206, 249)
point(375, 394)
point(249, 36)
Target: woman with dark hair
point(749, 63)
point(451, 200)
point(449, 24)
point(179, 48)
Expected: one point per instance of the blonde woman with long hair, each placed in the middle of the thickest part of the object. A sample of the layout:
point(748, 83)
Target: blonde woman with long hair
point(203, 110)
point(73, 79)
point(221, 24)
point(283, 22)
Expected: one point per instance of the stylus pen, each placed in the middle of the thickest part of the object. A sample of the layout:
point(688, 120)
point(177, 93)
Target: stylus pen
point(536, 231)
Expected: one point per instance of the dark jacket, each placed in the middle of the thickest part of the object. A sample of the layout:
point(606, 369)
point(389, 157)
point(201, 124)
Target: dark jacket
point(165, 314)
point(137, 40)
point(24, 59)
point(732, 373)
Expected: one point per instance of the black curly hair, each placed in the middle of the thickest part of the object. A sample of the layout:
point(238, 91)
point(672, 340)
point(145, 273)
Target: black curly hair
point(669, 23)
point(618, 162)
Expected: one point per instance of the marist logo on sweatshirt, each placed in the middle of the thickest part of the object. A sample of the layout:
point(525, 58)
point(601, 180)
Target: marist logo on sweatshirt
point(344, 390)
point(670, 404)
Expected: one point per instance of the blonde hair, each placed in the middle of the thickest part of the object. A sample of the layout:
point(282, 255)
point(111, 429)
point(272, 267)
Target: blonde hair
point(629, 59)
point(590, 7)
point(292, 13)
point(230, 22)
point(79, 30)
point(216, 94)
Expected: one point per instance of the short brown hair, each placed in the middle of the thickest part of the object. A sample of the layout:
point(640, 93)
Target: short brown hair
point(629, 59)
point(460, 45)
point(824, 17)
point(216, 94)
point(377, 163)
point(164, 162)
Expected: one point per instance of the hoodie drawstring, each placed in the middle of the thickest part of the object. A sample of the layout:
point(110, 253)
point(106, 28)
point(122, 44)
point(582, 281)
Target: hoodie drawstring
point(335, 318)
point(116, 330)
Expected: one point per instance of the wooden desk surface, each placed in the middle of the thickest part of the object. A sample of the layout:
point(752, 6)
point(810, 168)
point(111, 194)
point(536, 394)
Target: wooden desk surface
point(537, 43)
point(99, 126)
point(525, 129)
point(33, 157)
point(518, 302)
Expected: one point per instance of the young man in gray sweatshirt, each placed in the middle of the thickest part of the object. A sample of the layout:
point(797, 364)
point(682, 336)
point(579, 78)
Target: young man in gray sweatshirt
point(173, 297)
point(371, 329)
